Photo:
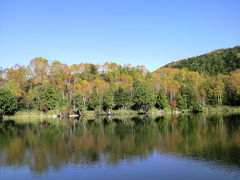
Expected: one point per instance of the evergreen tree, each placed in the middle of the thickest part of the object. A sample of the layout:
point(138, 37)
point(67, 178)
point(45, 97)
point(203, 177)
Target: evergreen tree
point(94, 101)
point(108, 99)
point(51, 98)
point(181, 102)
point(78, 101)
point(189, 95)
point(32, 99)
point(122, 98)
point(144, 97)
point(8, 102)
point(161, 100)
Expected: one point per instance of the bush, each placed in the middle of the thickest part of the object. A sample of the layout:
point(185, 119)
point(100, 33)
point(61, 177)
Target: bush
point(197, 108)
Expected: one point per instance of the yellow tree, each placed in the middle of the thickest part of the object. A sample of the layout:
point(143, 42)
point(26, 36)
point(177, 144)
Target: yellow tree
point(125, 81)
point(19, 74)
point(235, 82)
point(218, 88)
point(142, 69)
point(101, 86)
point(156, 82)
point(214, 88)
point(15, 88)
point(109, 67)
point(166, 72)
point(85, 88)
point(56, 79)
point(172, 87)
point(39, 68)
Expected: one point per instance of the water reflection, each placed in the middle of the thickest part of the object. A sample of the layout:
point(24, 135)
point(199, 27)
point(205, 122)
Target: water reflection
point(55, 144)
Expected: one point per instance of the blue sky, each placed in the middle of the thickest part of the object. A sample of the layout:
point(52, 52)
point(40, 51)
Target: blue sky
point(149, 32)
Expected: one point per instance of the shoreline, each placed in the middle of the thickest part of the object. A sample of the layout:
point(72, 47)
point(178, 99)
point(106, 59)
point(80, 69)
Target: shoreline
point(93, 114)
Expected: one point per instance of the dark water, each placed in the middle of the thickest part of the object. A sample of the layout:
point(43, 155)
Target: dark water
point(170, 147)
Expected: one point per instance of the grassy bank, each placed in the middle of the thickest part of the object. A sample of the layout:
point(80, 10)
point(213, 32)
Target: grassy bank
point(121, 112)
point(221, 109)
point(33, 114)
point(53, 114)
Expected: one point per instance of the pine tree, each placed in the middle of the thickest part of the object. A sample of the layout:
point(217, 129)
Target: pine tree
point(94, 101)
point(8, 102)
point(181, 102)
point(78, 101)
point(122, 98)
point(144, 97)
point(108, 99)
point(51, 98)
point(161, 100)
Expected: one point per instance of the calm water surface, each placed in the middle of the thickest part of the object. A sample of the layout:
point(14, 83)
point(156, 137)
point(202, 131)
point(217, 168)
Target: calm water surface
point(169, 147)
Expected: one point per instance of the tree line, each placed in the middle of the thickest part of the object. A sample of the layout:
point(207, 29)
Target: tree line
point(44, 85)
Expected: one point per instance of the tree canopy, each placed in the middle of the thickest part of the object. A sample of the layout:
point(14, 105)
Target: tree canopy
point(55, 85)
point(219, 61)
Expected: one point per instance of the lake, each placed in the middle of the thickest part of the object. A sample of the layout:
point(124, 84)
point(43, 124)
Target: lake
point(190, 146)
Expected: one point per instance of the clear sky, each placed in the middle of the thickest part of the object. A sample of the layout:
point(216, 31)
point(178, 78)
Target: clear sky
point(149, 32)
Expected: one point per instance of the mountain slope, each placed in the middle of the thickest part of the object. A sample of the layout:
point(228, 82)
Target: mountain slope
point(219, 61)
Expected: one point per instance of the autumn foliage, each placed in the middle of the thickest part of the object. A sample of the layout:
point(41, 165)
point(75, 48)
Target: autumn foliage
point(173, 104)
point(54, 85)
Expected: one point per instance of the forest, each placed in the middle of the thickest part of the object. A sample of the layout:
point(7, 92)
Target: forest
point(219, 61)
point(43, 85)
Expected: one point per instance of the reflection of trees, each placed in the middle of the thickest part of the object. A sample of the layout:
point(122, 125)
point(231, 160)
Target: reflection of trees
point(41, 146)
point(208, 137)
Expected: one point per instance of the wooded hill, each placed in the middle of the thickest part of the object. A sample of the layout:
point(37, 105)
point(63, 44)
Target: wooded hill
point(219, 61)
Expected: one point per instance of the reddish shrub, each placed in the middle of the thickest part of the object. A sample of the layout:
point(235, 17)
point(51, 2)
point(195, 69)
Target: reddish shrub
point(173, 104)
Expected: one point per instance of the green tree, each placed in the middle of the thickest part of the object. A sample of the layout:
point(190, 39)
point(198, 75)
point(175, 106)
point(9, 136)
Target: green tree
point(108, 99)
point(122, 98)
point(93, 69)
point(144, 97)
point(161, 100)
point(8, 102)
point(32, 99)
point(51, 98)
point(78, 101)
point(94, 101)
point(181, 102)
point(190, 95)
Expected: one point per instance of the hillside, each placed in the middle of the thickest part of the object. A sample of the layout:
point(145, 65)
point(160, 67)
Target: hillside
point(219, 61)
